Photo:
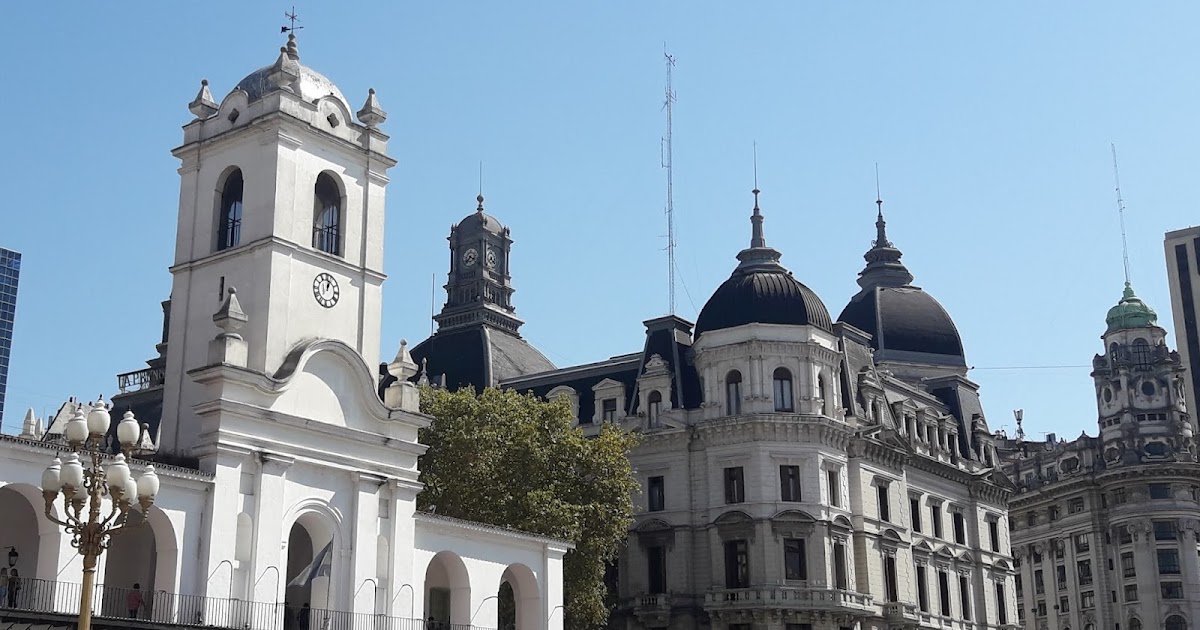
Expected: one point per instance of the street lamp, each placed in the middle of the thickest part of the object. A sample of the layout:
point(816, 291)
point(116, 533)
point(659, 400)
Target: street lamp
point(87, 486)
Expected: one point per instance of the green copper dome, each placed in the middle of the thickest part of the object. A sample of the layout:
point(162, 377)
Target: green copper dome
point(1130, 312)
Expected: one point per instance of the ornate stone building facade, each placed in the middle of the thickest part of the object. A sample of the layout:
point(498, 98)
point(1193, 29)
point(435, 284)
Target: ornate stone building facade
point(1105, 528)
point(798, 472)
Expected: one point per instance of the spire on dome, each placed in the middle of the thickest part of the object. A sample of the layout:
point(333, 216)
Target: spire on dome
point(758, 256)
point(883, 259)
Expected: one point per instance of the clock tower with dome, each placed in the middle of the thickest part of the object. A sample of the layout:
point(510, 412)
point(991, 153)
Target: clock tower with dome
point(281, 196)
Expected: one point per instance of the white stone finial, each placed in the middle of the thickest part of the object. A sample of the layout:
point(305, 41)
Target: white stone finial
point(285, 71)
point(203, 105)
point(403, 367)
point(230, 317)
point(29, 426)
point(371, 114)
point(424, 380)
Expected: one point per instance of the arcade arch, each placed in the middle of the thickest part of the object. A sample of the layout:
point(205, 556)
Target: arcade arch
point(447, 589)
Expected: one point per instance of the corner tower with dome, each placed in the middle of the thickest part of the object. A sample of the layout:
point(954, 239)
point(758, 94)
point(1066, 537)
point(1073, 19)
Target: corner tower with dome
point(801, 472)
point(1106, 527)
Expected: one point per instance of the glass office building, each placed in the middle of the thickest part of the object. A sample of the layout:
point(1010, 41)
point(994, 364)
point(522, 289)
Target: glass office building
point(10, 271)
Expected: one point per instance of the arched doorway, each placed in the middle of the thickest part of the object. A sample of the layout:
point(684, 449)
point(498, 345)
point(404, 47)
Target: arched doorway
point(519, 599)
point(130, 565)
point(447, 589)
point(35, 539)
point(309, 571)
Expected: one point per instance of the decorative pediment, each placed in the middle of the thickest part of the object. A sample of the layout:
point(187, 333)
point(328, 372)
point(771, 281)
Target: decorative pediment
point(655, 533)
point(792, 524)
point(922, 547)
point(735, 525)
point(607, 383)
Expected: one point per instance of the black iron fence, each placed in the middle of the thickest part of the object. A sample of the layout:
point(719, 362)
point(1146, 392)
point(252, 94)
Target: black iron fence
point(47, 596)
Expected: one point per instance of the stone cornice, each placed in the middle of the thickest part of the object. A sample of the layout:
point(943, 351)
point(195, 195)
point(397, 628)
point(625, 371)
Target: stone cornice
point(483, 528)
point(1094, 480)
point(775, 428)
point(53, 448)
point(276, 243)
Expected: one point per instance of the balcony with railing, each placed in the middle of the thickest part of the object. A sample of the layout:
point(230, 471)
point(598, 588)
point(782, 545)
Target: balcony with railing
point(789, 598)
point(654, 611)
point(57, 603)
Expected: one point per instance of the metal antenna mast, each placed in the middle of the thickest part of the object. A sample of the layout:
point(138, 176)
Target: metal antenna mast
point(667, 155)
point(1121, 213)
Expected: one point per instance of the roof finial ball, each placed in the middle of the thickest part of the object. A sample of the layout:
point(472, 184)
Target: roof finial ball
point(479, 198)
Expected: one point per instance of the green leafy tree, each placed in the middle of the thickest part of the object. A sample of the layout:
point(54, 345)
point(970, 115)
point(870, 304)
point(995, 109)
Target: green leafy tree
point(514, 460)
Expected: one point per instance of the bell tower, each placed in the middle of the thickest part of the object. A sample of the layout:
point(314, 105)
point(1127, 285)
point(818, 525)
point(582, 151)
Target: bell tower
point(479, 289)
point(1139, 389)
point(281, 196)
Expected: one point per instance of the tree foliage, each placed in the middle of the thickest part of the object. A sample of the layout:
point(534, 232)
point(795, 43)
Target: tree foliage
point(514, 460)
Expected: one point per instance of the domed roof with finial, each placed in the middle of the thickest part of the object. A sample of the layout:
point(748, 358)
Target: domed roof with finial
point(905, 322)
point(1131, 312)
point(480, 220)
point(761, 291)
point(309, 85)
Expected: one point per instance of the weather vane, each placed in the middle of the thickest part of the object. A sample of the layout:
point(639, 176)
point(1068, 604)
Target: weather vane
point(293, 18)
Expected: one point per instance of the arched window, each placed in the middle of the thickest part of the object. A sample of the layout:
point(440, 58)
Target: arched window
point(1141, 353)
point(327, 217)
point(783, 390)
point(733, 393)
point(1135, 623)
point(654, 402)
point(1175, 622)
point(229, 225)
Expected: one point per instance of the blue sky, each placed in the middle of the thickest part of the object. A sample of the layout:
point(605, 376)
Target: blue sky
point(991, 125)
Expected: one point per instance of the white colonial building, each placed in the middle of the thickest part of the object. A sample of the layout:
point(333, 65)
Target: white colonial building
point(277, 448)
point(798, 472)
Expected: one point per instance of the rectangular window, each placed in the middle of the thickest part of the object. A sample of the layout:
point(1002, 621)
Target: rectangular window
point(935, 517)
point(789, 483)
point(922, 589)
point(1060, 574)
point(1127, 567)
point(1118, 496)
point(889, 578)
point(609, 410)
point(1001, 605)
point(1059, 553)
point(1038, 583)
point(1131, 594)
point(1165, 530)
point(964, 595)
point(1064, 604)
point(1172, 590)
point(735, 485)
point(944, 592)
point(1075, 506)
point(1053, 513)
point(960, 528)
point(841, 579)
point(994, 533)
point(1041, 609)
point(795, 559)
point(1087, 599)
point(656, 494)
point(835, 488)
point(1017, 582)
point(885, 511)
point(1031, 519)
point(737, 564)
point(1168, 562)
point(1125, 537)
point(1084, 567)
point(656, 561)
point(1083, 542)
point(1160, 491)
point(914, 508)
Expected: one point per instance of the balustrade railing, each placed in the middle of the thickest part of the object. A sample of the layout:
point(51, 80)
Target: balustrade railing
point(47, 596)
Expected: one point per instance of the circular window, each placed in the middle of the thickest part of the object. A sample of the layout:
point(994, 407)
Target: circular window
point(1107, 394)
point(1148, 388)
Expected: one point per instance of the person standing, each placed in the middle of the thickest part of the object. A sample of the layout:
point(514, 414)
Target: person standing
point(134, 601)
point(14, 587)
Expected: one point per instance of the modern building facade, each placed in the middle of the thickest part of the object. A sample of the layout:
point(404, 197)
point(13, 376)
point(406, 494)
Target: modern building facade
point(289, 480)
point(1104, 528)
point(1183, 276)
point(799, 472)
point(10, 275)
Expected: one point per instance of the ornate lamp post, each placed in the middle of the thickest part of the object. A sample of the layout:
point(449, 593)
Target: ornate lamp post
point(84, 484)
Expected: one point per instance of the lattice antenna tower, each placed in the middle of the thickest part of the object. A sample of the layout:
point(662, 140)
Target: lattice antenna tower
point(667, 155)
point(1121, 214)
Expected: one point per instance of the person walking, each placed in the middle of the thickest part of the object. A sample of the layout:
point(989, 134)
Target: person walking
point(134, 601)
point(4, 586)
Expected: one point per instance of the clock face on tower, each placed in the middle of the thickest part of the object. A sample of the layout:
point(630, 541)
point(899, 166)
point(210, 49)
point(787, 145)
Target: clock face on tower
point(470, 256)
point(325, 290)
point(490, 259)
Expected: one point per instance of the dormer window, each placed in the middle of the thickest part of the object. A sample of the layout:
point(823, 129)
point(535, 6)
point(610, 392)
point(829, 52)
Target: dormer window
point(783, 390)
point(733, 393)
point(327, 217)
point(229, 225)
point(654, 407)
point(609, 410)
